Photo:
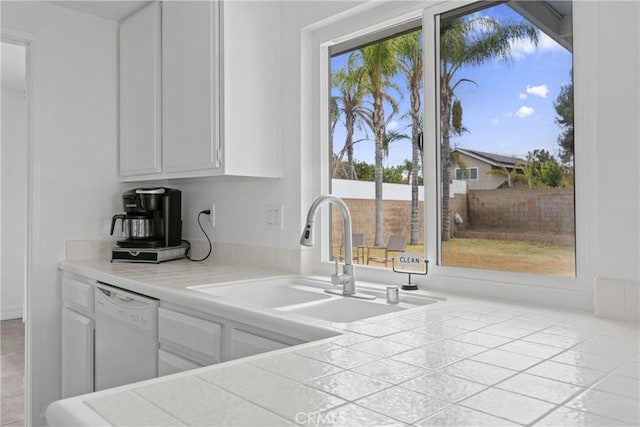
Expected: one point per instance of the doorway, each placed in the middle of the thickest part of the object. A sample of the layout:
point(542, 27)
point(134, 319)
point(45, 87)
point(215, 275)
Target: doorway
point(13, 225)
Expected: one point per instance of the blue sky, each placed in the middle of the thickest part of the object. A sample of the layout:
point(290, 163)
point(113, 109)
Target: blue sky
point(509, 111)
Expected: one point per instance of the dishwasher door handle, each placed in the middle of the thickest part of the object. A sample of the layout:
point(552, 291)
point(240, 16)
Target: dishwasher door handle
point(120, 300)
point(105, 291)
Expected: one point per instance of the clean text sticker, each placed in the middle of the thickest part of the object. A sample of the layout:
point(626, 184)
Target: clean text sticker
point(409, 260)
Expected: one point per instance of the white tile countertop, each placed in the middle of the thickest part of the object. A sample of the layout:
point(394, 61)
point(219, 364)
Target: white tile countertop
point(458, 362)
point(177, 274)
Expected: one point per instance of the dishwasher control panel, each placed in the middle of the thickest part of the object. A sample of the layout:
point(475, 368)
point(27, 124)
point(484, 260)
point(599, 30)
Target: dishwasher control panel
point(133, 310)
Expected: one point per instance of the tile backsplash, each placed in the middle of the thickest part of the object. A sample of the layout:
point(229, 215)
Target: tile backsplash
point(88, 249)
point(288, 260)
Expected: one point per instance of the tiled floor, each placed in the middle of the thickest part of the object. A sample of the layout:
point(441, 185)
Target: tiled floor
point(12, 373)
point(466, 363)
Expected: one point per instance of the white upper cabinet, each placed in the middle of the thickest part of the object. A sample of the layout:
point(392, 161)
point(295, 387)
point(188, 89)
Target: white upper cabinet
point(140, 93)
point(219, 80)
point(252, 89)
point(190, 65)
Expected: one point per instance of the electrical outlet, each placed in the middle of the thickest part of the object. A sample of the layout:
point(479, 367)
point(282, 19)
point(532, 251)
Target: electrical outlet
point(212, 216)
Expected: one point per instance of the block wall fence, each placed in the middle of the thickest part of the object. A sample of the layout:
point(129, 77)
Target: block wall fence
point(548, 210)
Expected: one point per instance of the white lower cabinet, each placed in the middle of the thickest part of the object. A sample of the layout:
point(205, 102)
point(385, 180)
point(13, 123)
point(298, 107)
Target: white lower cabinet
point(77, 353)
point(187, 341)
point(78, 335)
point(190, 339)
point(169, 363)
point(243, 344)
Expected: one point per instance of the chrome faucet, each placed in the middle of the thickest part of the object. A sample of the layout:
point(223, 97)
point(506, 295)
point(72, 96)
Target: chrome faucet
point(346, 278)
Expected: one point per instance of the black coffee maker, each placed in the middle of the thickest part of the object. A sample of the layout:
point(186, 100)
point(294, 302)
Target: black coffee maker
point(151, 225)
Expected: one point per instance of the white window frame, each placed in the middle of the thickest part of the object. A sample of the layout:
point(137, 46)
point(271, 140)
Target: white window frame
point(374, 16)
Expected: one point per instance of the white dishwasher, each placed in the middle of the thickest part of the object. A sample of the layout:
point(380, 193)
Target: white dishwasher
point(126, 337)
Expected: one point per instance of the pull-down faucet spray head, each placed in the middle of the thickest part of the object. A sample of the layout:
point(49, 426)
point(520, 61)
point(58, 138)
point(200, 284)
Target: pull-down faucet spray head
point(307, 234)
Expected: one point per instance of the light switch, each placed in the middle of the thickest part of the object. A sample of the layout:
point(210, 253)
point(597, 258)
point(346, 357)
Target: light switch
point(275, 217)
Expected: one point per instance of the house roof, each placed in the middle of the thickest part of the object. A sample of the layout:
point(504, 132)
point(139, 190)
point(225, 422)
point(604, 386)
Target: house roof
point(491, 158)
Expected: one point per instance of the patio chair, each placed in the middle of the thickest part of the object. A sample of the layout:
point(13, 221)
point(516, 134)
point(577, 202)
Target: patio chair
point(395, 244)
point(357, 240)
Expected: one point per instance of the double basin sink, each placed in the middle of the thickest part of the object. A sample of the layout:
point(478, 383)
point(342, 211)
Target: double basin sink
point(307, 297)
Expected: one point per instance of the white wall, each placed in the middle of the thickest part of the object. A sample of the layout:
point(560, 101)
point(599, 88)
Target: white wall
point(618, 136)
point(14, 201)
point(618, 156)
point(366, 190)
point(76, 149)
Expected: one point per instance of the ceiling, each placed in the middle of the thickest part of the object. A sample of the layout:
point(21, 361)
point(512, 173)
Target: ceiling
point(115, 10)
point(13, 66)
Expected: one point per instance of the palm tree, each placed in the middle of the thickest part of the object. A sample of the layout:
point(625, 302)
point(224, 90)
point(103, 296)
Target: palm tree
point(530, 175)
point(380, 64)
point(468, 41)
point(351, 86)
point(334, 115)
point(512, 175)
point(410, 63)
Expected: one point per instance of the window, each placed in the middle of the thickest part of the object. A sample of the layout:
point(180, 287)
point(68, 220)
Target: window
point(505, 162)
point(567, 278)
point(375, 132)
point(507, 105)
point(467, 174)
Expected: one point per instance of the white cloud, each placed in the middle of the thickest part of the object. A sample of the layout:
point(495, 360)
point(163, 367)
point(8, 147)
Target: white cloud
point(547, 44)
point(520, 48)
point(524, 111)
point(393, 125)
point(522, 96)
point(542, 91)
point(495, 121)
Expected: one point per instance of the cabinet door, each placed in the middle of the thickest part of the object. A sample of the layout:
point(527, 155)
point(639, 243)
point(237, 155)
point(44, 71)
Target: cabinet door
point(190, 82)
point(252, 90)
point(244, 343)
point(140, 102)
point(190, 333)
point(169, 363)
point(77, 353)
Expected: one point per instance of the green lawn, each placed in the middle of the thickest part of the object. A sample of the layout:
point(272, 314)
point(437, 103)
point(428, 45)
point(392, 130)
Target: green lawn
point(503, 255)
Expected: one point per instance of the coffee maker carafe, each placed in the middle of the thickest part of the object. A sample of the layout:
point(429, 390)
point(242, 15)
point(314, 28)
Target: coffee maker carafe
point(152, 221)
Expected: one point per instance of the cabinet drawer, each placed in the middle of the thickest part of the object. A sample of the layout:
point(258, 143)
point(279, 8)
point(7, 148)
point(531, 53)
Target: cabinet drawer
point(190, 332)
point(77, 293)
point(170, 363)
